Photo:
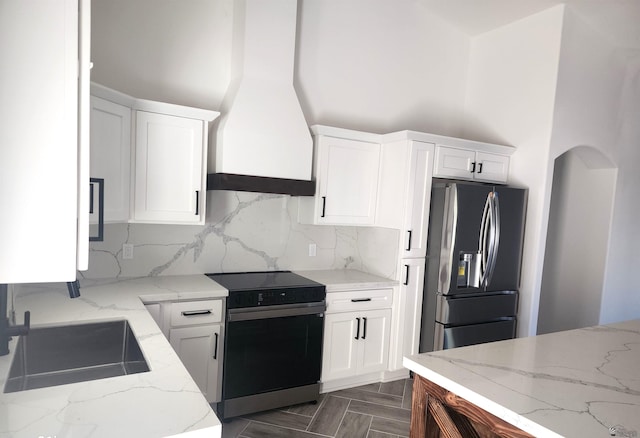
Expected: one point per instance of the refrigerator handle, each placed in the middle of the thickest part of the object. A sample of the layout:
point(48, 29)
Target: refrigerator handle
point(482, 241)
point(494, 237)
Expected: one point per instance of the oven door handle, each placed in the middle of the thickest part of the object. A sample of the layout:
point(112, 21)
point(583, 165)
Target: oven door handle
point(276, 312)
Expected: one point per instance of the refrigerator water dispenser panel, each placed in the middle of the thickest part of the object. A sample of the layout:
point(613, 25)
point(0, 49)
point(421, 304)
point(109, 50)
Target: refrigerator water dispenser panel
point(468, 270)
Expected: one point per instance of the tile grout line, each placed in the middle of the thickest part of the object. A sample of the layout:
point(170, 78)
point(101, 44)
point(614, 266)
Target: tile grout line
point(342, 419)
point(292, 429)
point(320, 405)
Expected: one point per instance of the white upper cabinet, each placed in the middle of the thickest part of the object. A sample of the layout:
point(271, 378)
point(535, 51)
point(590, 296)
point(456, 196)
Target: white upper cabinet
point(170, 180)
point(43, 180)
point(471, 164)
point(111, 155)
point(152, 156)
point(347, 165)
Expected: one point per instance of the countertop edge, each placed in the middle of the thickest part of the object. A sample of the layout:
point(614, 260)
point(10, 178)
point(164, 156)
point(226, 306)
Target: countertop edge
point(490, 406)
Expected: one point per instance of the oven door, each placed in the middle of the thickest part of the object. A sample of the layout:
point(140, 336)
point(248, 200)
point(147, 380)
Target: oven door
point(270, 349)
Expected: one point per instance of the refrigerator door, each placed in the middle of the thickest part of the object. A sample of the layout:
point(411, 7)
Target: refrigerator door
point(471, 309)
point(461, 336)
point(481, 238)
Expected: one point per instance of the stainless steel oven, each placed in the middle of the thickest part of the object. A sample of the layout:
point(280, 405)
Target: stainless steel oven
point(273, 341)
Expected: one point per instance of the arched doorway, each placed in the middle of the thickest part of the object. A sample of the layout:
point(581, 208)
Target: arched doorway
point(577, 240)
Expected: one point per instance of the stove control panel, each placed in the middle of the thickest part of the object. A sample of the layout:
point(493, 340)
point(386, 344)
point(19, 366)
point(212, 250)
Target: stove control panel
point(261, 298)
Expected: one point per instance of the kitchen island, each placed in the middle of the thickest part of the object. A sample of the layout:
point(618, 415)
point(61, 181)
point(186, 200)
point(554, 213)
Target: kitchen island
point(577, 383)
point(164, 401)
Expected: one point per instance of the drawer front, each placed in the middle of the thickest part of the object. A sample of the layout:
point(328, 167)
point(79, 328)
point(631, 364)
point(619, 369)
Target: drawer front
point(196, 312)
point(359, 300)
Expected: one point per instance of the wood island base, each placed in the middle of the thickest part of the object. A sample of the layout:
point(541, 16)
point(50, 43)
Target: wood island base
point(437, 412)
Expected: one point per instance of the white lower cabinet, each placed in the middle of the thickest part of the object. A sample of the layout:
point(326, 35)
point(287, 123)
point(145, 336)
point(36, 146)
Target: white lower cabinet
point(411, 293)
point(200, 350)
point(195, 330)
point(356, 334)
point(355, 343)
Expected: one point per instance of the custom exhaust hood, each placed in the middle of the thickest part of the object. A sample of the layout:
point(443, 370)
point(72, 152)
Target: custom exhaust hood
point(263, 143)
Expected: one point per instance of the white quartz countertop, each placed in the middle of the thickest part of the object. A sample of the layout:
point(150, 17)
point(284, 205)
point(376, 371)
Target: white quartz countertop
point(162, 402)
point(577, 383)
point(347, 279)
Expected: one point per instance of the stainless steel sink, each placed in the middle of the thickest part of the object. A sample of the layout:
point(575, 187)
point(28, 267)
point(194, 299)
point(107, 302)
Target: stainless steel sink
point(59, 355)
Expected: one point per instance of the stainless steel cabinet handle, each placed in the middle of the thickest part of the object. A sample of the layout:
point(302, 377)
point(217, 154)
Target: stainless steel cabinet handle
point(196, 312)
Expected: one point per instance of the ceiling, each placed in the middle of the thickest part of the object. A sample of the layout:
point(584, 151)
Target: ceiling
point(619, 20)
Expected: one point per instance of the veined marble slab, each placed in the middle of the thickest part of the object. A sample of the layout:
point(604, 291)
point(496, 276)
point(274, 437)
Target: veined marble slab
point(346, 279)
point(162, 402)
point(577, 383)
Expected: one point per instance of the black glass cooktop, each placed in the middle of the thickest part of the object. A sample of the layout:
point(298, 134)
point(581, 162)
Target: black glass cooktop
point(249, 289)
point(234, 281)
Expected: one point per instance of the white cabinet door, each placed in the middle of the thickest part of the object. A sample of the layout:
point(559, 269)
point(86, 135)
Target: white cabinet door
point(491, 167)
point(169, 183)
point(339, 355)
point(454, 163)
point(199, 349)
point(111, 155)
point(373, 344)
point(471, 164)
point(419, 199)
point(411, 293)
point(39, 143)
point(347, 174)
point(355, 343)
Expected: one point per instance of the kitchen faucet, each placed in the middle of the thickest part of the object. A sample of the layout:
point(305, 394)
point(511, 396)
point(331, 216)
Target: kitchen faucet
point(7, 331)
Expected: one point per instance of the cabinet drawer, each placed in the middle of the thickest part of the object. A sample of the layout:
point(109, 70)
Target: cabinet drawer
point(196, 312)
point(359, 300)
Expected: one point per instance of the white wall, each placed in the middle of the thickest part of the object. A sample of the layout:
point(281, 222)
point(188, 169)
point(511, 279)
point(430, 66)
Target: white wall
point(576, 244)
point(374, 65)
point(621, 293)
point(597, 106)
point(380, 66)
point(588, 90)
point(167, 50)
point(510, 100)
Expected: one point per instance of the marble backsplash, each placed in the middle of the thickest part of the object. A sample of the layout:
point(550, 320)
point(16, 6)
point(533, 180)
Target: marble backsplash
point(244, 232)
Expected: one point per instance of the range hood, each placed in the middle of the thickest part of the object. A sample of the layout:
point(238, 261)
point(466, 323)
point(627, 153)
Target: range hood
point(263, 143)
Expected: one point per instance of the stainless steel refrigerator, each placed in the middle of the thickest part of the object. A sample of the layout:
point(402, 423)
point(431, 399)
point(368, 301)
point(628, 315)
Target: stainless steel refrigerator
point(472, 271)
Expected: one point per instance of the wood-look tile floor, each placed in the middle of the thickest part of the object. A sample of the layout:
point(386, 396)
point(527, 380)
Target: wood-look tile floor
point(378, 410)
